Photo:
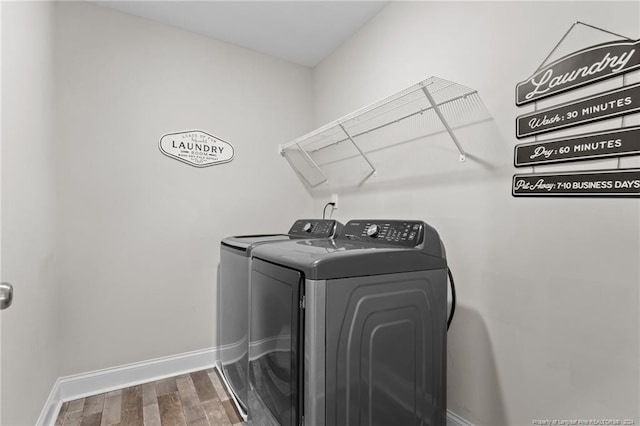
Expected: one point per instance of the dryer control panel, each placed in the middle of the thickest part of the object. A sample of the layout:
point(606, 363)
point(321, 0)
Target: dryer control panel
point(397, 232)
point(315, 228)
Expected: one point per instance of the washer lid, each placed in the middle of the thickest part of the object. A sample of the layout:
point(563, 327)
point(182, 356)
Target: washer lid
point(245, 243)
point(301, 228)
point(331, 259)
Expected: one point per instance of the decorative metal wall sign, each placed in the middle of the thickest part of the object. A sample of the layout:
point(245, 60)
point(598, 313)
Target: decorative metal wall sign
point(196, 148)
point(585, 66)
point(613, 103)
point(587, 146)
point(601, 183)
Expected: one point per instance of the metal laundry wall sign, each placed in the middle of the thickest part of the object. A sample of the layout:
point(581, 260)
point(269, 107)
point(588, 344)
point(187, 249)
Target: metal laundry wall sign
point(610, 104)
point(587, 146)
point(196, 148)
point(602, 183)
point(585, 66)
point(590, 65)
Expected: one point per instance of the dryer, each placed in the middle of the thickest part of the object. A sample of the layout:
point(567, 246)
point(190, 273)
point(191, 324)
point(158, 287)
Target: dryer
point(233, 300)
point(351, 330)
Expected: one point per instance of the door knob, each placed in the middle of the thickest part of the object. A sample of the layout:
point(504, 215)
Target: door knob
point(6, 295)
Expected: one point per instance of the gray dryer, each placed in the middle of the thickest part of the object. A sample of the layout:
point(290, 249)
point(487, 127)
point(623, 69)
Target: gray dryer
point(352, 331)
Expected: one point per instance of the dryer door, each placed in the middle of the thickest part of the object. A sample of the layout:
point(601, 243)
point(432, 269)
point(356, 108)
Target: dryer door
point(274, 338)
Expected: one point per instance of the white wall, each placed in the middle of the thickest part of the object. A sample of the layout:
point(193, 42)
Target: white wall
point(30, 332)
point(139, 232)
point(547, 325)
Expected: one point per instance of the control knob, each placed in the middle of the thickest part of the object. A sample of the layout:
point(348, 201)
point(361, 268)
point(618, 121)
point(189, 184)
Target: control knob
point(373, 230)
point(307, 227)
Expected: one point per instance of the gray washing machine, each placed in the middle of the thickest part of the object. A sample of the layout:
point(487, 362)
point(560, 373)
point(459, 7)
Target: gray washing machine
point(233, 299)
point(351, 331)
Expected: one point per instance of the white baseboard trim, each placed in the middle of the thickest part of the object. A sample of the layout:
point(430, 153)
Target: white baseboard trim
point(51, 408)
point(100, 381)
point(455, 420)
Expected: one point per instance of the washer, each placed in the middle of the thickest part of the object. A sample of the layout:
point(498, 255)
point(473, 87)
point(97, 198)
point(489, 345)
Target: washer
point(233, 299)
point(351, 331)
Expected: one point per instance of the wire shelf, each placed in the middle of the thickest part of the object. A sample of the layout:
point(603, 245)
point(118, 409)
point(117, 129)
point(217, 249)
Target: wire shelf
point(426, 108)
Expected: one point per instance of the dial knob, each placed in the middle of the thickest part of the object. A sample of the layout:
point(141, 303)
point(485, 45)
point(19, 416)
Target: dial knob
point(373, 231)
point(307, 227)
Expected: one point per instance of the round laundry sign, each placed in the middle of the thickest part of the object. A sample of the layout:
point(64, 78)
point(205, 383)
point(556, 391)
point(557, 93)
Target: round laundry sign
point(196, 148)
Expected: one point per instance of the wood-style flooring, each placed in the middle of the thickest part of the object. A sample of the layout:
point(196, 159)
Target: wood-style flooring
point(198, 399)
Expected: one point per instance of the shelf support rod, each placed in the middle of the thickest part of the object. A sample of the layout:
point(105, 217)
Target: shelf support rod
point(373, 168)
point(463, 155)
point(307, 157)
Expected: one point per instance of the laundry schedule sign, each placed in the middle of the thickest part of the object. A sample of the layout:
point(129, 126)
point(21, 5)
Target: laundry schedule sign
point(587, 146)
point(590, 65)
point(601, 183)
point(196, 148)
point(614, 103)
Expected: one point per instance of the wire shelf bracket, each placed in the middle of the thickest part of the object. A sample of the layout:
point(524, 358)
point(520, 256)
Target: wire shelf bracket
point(373, 168)
point(463, 155)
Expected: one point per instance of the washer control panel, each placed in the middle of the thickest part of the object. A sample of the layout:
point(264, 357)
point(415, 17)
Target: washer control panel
point(315, 228)
point(397, 232)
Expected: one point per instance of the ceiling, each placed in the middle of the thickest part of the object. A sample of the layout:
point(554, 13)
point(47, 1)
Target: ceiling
point(302, 32)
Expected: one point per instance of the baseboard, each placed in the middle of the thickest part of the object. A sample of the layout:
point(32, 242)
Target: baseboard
point(455, 420)
point(51, 407)
point(100, 381)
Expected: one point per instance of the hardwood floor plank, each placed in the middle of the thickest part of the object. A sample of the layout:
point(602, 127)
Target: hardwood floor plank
point(73, 418)
point(132, 417)
point(215, 413)
point(203, 385)
point(149, 395)
point(151, 414)
point(132, 398)
point(92, 419)
point(227, 403)
point(171, 410)
point(92, 405)
point(76, 405)
point(213, 408)
point(112, 408)
point(132, 406)
point(232, 414)
point(62, 414)
point(191, 405)
point(166, 386)
point(217, 385)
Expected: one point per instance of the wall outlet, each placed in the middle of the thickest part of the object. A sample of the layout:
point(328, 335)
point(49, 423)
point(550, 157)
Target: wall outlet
point(334, 199)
